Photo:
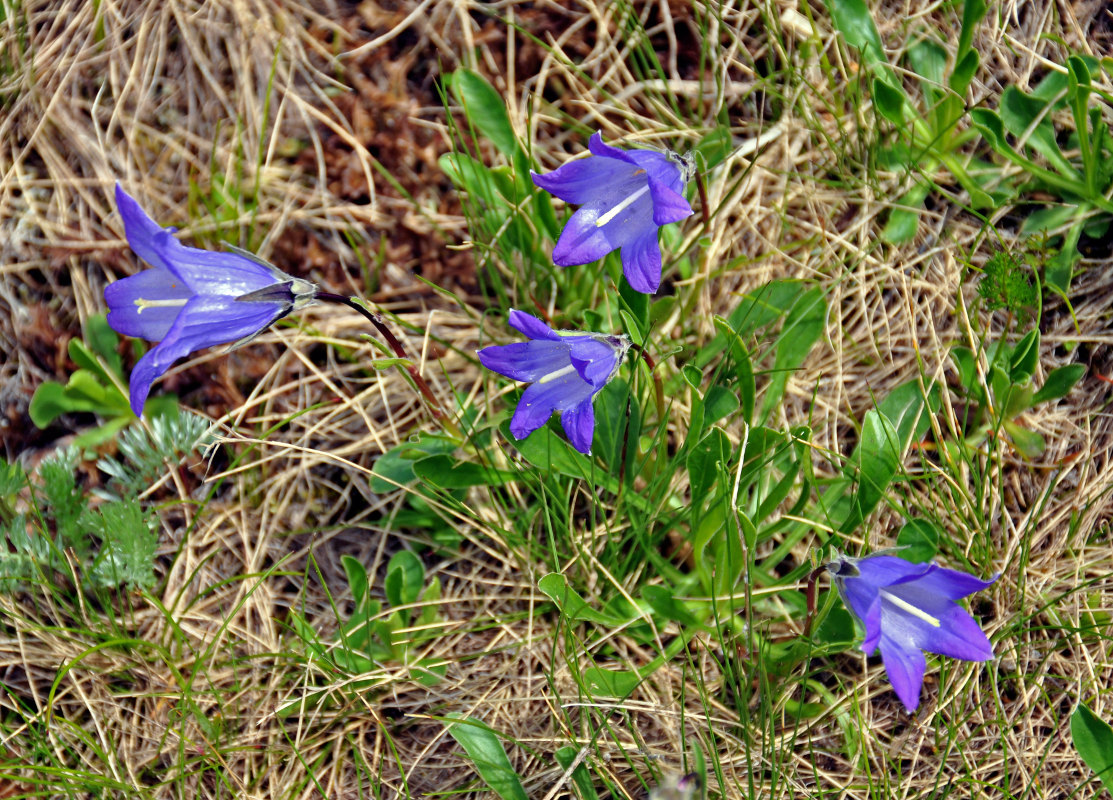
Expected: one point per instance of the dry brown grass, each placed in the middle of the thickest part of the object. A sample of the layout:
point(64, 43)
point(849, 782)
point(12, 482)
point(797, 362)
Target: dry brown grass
point(157, 94)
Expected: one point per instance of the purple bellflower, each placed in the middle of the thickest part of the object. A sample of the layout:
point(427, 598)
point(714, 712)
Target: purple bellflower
point(625, 196)
point(566, 369)
point(907, 608)
point(193, 298)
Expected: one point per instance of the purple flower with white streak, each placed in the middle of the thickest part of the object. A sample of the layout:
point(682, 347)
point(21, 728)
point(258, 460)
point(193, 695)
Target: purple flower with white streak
point(626, 196)
point(907, 608)
point(566, 369)
point(193, 298)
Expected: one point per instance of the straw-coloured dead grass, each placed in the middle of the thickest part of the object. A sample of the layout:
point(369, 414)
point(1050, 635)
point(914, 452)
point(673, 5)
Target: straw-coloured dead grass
point(319, 126)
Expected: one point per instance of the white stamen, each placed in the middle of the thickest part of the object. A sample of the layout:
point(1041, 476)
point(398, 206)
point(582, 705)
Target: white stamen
point(614, 212)
point(158, 304)
point(560, 373)
point(911, 609)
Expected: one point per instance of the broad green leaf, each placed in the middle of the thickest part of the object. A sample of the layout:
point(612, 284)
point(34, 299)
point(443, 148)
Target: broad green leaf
point(472, 177)
point(719, 402)
point(1024, 357)
point(1059, 383)
point(662, 601)
point(920, 538)
point(908, 410)
point(854, 22)
point(50, 402)
point(428, 671)
point(405, 575)
point(546, 450)
point(889, 102)
point(94, 437)
point(714, 147)
point(103, 341)
point(446, 472)
point(566, 757)
point(904, 218)
point(571, 604)
point(708, 460)
point(972, 13)
point(1026, 116)
point(803, 326)
point(965, 69)
point(486, 110)
point(395, 467)
point(487, 754)
point(611, 683)
point(1060, 267)
point(1029, 443)
point(879, 461)
point(617, 421)
point(1093, 739)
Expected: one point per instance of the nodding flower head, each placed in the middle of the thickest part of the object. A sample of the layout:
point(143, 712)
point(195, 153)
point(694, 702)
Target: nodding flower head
point(625, 197)
point(907, 608)
point(566, 369)
point(192, 298)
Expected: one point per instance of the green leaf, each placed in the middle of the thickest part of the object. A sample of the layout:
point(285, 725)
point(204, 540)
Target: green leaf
point(104, 341)
point(47, 403)
point(1060, 268)
point(546, 450)
point(566, 757)
point(879, 461)
point(395, 467)
point(714, 147)
point(662, 601)
point(920, 538)
point(1029, 443)
point(1024, 358)
point(707, 461)
point(965, 69)
point(720, 402)
point(485, 110)
point(571, 604)
point(803, 326)
point(1093, 739)
point(358, 582)
point(613, 428)
point(611, 683)
point(904, 218)
point(854, 22)
point(446, 472)
point(405, 575)
point(972, 13)
point(1028, 116)
point(1059, 383)
point(889, 102)
point(487, 754)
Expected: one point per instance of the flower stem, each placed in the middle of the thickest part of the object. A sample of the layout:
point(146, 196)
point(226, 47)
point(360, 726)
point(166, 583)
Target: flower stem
point(431, 401)
point(658, 389)
point(701, 187)
point(809, 594)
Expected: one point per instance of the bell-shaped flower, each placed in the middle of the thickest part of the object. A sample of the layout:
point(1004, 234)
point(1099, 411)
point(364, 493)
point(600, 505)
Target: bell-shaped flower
point(625, 196)
point(193, 298)
point(566, 369)
point(907, 608)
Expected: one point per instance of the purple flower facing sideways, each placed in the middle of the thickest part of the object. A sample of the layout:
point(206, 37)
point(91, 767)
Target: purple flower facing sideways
point(566, 369)
point(193, 298)
point(625, 196)
point(907, 608)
